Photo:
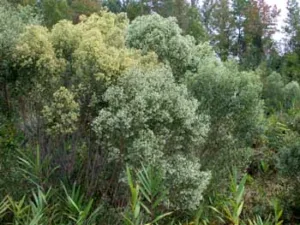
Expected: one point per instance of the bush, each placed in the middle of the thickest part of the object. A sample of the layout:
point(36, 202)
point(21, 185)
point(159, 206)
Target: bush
point(152, 119)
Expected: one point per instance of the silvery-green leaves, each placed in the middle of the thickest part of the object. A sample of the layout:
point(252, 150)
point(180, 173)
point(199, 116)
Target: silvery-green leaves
point(152, 119)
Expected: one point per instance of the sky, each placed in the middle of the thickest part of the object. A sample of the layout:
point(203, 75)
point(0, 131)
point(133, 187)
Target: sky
point(281, 4)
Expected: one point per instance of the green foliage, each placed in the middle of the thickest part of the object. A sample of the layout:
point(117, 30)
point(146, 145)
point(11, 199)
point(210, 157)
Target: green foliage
point(292, 28)
point(289, 158)
point(280, 96)
point(12, 22)
point(47, 208)
point(77, 210)
point(150, 184)
point(277, 130)
point(290, 68)
point(259, 221)
point(54, 10)
point(84, 59)
point(36, 61)
point(33, 212)
point(4, 206)
point(35, 169)
point(135, 204)
point(98, 94)
point(232, 208)
point(62, 115)
point(163, 36)
point(222, 28)
point(114, 6)
point(231, 98)
point(273, 91)
point(195, 27)
point(278, 211)
point(242, 29)
point(152, 188)
point(151, 118)
point(10, 139)
point(34, 50)
point(269, 220)
point(83, 7)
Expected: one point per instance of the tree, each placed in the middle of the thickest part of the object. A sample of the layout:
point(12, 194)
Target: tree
point(290, 66)
point(115, 6)
point(291, 58)
point(62, 114)
point(83, 7)
point(292, 27)
point(231, 98)
point(198, 65)
point(279, 96)
point(12, 22)
point(187, 15)
point(241, 29)
point(206, 14)
point(85, 58)
point(164, 37)
point(223, 28)
point(195, 27)
point(273, 92)
point(152, 120)
point(54, 10)
point(36, 62)
point(259, 26)
point(62, 75)
point(239, 7)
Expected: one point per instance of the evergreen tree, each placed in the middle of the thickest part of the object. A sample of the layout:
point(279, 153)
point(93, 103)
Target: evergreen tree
point(292, 27)
point(223, 28)
point(259, 26)
point(153, 120)
point(291, 59)
point(115, 6)
point(13, 21)
point(241, 28)
point(206, 14)
point(239, 7)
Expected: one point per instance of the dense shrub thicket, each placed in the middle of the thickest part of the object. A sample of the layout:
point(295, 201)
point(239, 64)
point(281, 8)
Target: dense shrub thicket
point(104, 120)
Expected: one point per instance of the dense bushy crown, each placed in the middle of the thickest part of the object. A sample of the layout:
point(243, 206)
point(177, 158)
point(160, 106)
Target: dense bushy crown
point(164, 37)
point(149, 116)
point(231, 97)
point(95, 47)
point(62, 114)
point(34, 51)
point(290, 158)
point(278, 95)
point(12, 23)
point(273, 91)
point(84, 57)
point(153, 33)
point(104, 97)
point(152, 119)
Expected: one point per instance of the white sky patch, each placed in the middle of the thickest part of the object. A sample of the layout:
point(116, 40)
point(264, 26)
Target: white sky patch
point(281, 4)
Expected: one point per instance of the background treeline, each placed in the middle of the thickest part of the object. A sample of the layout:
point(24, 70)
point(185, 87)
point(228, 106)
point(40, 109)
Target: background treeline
point(148, 112)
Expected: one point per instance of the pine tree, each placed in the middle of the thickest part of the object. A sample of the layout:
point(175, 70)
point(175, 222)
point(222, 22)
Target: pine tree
point(206, 14)
point(223, 27)
point(255, 23)
point(292, 27)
